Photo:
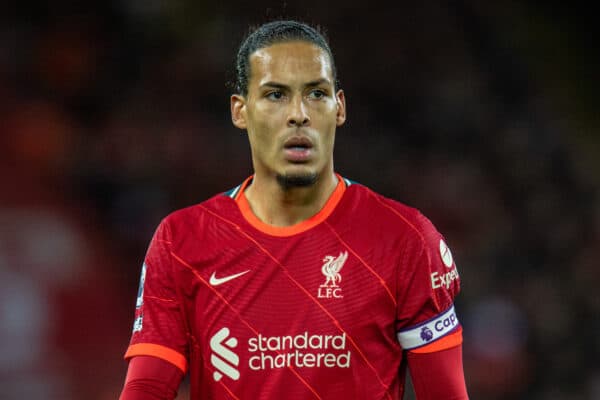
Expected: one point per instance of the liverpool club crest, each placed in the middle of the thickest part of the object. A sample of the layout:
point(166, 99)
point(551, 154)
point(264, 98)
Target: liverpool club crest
point(331, 270)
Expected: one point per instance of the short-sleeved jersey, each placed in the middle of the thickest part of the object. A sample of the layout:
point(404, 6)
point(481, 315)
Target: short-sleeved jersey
point(323, 309)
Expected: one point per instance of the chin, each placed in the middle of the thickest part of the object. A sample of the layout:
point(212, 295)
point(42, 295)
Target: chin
point(297, 179)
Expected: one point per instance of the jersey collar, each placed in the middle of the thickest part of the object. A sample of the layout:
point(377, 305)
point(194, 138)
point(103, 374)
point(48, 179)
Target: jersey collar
point(282, 231)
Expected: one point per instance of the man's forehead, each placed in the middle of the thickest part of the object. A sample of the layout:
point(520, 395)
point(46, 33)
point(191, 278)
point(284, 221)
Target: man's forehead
point(289, 60)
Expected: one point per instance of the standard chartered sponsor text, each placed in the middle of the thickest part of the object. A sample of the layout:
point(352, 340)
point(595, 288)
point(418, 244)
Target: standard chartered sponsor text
point(299, 351)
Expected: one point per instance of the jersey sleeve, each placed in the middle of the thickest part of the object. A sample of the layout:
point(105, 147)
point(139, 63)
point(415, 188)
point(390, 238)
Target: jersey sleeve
point(159, 328)
point(438, 375)
point(150, 378)
point(428, 282)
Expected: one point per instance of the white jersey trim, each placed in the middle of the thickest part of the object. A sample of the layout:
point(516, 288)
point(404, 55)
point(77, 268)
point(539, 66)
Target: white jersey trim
point(235, 191)
point(428, 331)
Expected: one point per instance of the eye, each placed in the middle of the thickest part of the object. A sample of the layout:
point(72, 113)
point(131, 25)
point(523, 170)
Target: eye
point(275, 95)
point(317, 94)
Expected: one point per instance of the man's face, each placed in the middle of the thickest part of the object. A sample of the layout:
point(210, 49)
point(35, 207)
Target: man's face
point(291, 111)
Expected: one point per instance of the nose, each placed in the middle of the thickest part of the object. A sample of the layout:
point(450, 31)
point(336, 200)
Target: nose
point(298, 116)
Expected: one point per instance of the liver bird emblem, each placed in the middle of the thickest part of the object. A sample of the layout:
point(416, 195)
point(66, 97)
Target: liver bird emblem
point(331, 269)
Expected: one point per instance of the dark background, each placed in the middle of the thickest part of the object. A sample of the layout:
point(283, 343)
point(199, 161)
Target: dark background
point(483, 116)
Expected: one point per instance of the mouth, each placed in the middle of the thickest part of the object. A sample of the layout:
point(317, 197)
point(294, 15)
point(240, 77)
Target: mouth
point(298, 142)
point(298, 149)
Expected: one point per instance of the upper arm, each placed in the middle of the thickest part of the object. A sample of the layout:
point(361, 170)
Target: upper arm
point(428, 282)
point(159, 328)
point(428, 328)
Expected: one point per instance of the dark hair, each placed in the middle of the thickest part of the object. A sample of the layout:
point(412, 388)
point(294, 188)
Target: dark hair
point(272, 33)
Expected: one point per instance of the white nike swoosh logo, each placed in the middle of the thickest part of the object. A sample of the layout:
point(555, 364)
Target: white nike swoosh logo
point(219, 281)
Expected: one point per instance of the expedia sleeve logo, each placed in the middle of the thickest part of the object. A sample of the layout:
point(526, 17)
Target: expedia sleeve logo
point(445, 279)
point(446, 254)
point(140, 294)
point(428, 331)
point(139, 320)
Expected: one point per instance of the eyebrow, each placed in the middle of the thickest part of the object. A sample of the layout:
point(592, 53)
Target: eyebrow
point(278, 85)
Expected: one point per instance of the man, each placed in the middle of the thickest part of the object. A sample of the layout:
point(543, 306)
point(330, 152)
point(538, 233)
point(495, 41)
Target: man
point(298, 283)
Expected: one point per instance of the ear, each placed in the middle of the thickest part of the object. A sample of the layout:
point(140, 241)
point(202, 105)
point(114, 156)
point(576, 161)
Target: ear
point(238, 111)
point(340, 99)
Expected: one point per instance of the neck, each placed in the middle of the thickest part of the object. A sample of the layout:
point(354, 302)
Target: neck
point(277, 205)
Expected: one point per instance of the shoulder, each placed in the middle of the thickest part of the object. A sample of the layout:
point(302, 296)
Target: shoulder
point(220, 205)
point(387, 212)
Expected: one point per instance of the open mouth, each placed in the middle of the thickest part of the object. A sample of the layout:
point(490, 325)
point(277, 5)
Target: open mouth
point(298, 149)
point(298, 143)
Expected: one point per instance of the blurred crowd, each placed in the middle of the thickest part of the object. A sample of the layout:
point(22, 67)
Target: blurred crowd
point(115, 113)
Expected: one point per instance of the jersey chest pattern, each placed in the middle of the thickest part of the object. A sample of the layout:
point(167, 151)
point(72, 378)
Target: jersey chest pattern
point(306, 308)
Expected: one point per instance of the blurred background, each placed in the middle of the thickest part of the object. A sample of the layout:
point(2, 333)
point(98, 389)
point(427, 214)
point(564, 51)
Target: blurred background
point(483, 116)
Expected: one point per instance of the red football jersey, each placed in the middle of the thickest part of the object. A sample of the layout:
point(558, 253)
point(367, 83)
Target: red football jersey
point(323, 309)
